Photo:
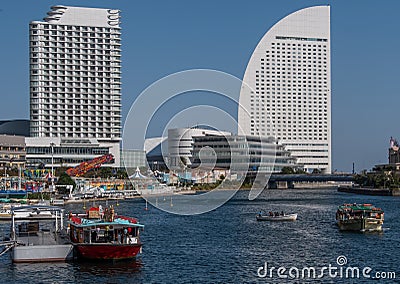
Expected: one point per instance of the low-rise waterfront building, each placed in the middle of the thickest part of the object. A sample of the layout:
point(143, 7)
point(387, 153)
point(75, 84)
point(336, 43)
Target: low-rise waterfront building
point(205, 151)
point(393, 158)
point(394, 153)
point(12, 151)
point(241, 152)
point(180, 145)
point(66, 152)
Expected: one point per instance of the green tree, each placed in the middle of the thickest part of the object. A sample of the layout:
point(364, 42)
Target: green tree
point(361, 179)
point(379, 179)
point(300, 171)
point(65, 179)
point(122, 174)
point(105, 172)
point(287, 171)
point(59, 171)
point(316, 171)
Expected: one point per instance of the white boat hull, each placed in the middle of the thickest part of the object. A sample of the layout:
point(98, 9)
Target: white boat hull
point(42, 253)
point(39, 240)
point(288, 217)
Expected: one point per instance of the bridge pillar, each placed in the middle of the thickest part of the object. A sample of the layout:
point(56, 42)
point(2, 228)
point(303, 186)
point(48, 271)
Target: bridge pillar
point(290, 184)
point(272, 185)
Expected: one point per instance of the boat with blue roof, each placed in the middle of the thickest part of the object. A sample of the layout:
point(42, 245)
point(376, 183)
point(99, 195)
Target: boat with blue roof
point(103, 235)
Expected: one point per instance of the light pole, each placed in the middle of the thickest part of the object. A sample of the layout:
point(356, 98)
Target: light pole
point(5, 175)
point(52, 165)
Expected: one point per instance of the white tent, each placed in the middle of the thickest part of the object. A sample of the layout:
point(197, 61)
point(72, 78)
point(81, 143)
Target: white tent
point(137, 175)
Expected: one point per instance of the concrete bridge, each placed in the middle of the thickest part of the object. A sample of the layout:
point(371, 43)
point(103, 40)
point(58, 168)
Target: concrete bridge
point(288, 181)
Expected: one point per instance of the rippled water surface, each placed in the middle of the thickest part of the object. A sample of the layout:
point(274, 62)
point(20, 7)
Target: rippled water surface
point(228, 245)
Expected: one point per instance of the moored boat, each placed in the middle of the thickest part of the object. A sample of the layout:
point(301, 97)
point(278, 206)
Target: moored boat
point(276, 217)
point(104, 235)
point(29, 213)
point(359, 217)
point(39, 240)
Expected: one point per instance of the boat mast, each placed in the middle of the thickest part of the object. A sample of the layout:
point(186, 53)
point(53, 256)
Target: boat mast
point(56, 220)
point(12, 224)
point(19, 177)
point(61, 219)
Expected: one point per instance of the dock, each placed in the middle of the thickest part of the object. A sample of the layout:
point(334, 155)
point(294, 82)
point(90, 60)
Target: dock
point(370, 191)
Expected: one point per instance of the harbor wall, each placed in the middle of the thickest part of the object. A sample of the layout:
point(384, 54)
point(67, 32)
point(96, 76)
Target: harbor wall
point(370, 191)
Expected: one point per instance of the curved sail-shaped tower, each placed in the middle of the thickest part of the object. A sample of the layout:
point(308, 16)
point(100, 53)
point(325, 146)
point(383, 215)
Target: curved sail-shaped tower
point(290, 80)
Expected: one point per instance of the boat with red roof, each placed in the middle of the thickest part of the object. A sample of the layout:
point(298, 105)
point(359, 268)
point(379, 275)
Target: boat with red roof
point(104, 235)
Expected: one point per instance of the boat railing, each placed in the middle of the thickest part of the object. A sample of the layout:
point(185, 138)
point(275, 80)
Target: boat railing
point(6, 246)
point(33, 227)
point(122, 235)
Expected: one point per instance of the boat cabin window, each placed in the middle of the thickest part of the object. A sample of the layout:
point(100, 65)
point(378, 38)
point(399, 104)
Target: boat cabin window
point(28, 228)
point(101, 235)
point(86, 236)
point(131, 231)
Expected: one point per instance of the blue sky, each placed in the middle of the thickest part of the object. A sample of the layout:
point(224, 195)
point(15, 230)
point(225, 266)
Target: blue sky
point(163, 37)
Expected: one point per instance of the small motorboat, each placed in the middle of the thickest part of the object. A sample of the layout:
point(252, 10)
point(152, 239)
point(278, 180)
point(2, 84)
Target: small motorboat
point(273, 217)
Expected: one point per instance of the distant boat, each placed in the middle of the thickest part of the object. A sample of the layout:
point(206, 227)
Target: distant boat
point(34, 212)
point(359, 217)
point(273, 217)
point(14, 193)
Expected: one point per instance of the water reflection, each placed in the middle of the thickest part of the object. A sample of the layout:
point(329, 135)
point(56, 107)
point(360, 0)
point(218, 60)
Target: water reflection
point(109, 268)
point(40, 272)
point(228, 245)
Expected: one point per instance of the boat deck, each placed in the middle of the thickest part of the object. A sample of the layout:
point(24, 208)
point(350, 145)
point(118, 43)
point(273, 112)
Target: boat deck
point(42, 238)
point(27, 218)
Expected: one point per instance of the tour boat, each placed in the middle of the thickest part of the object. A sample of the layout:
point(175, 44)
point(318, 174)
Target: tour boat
point(276, 217)
point(103, 235)
point(359, 217)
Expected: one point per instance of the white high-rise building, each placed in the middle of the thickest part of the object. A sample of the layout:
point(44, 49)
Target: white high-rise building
point(290, 80)
point(75, 86)
point(75, 74)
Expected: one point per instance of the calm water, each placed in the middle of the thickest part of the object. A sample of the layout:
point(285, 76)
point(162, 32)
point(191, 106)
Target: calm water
point(228, 245)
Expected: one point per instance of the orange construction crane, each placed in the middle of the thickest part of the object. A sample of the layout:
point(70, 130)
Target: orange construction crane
point(84, 167)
